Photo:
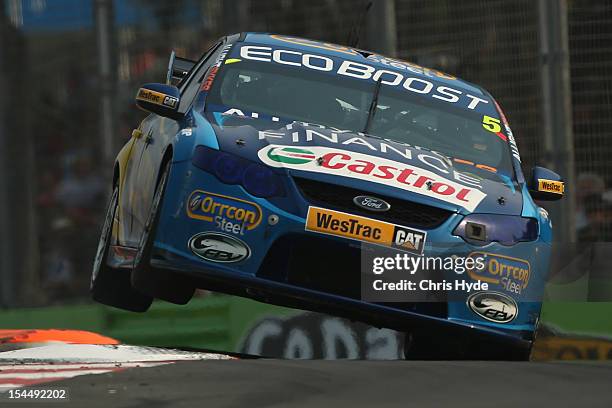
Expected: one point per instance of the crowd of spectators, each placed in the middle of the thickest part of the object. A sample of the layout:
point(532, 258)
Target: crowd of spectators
point(73, 179)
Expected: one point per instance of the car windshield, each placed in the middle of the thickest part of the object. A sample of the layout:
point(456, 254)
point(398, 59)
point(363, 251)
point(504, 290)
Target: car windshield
point(344, 103)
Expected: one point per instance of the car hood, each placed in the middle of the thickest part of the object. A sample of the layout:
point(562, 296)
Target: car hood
point(374, 165)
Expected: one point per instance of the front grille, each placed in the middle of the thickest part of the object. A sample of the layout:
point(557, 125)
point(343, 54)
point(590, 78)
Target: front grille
point(318, 263)
point(401, 212)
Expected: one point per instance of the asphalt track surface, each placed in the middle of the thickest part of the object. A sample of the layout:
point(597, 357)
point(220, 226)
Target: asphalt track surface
point(285, 383)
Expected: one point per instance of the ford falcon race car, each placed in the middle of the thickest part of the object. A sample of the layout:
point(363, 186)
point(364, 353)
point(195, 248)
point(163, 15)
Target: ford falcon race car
point(269, 166)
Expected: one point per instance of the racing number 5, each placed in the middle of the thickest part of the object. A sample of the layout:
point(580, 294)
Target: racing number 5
point(491, 124)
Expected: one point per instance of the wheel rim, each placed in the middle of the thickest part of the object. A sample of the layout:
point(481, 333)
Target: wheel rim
point(104, 236)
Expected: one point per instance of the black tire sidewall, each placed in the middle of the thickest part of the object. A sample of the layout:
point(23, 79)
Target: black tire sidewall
point(100, 265)
point(142, 265)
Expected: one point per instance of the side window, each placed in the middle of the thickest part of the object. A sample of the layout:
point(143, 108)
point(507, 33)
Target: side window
point(190, 87)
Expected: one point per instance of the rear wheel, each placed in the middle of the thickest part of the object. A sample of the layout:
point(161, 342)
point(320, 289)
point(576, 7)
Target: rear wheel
point(159, 283)
point(112, 286)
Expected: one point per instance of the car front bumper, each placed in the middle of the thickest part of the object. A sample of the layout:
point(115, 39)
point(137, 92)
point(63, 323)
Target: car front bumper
point(291, 266)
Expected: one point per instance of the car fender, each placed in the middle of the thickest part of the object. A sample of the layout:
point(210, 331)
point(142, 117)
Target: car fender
point(185, 141)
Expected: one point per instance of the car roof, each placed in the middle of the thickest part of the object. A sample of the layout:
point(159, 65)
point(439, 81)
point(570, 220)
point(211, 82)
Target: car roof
point(360, 56)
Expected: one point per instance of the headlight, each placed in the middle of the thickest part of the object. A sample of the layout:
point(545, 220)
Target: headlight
point(482, 229)
point(257, 179)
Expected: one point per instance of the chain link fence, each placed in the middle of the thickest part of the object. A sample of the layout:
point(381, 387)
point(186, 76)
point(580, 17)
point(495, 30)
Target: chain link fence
point(494, 43)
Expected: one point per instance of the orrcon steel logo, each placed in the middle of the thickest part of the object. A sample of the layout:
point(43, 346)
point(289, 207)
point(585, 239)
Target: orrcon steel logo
point(359, 166)
point(291, 155)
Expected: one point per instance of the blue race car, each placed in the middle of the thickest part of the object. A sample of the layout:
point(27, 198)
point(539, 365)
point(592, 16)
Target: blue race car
point(274, 163)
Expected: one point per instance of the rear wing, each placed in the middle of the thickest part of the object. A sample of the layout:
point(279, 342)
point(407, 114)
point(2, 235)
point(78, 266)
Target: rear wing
point(178, 68)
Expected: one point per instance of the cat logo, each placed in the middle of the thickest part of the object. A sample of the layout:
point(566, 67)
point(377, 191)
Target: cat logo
point(364, 229)
point(409, 239)
point(170, 101)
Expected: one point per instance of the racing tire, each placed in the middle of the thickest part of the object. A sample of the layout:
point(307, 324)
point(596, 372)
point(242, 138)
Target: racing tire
point(155, 282)
point(112, 286)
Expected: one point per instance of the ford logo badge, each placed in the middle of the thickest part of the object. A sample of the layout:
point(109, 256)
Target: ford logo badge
point(371, 203)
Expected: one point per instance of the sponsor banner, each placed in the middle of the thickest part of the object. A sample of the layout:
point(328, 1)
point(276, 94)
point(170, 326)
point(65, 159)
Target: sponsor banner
point(156, 98)
point(318, 336)
point(229, 214)
point(364, 229)
point(551, 186)
point(568, 347)
point(493, 306)
point(511, 274)
point(374, 169)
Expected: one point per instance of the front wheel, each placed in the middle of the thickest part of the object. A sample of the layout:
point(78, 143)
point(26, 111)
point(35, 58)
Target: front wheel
point(112, 286)
point(171, 287)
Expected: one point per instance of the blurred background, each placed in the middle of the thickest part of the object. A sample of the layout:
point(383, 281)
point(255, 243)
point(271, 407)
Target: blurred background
point(69, 70)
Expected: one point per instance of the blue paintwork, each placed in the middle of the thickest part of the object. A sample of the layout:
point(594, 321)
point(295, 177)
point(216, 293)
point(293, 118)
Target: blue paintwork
point(218, 131)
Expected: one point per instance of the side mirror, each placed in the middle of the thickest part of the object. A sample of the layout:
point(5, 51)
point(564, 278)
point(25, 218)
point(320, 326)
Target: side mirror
point(546, 185)
point(160, 99)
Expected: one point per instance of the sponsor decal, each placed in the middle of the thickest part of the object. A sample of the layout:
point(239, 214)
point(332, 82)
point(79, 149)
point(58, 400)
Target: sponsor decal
point(364, 229)
point(292, 155)
point(511, 140)
point(402, 151)
point(551, 186)
point(229, 214)
point(210, 79)
point(493, 306)
point(571, 347)
point(357, 70)
point(374, 169)
point(218, 247)
point(389, 62)
point(512, 274)
point(222, 55)
point(327, 134)
point(477, 165)
point(156, 98)
point(207, 84)
point(254, 115)
point(372, 203)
